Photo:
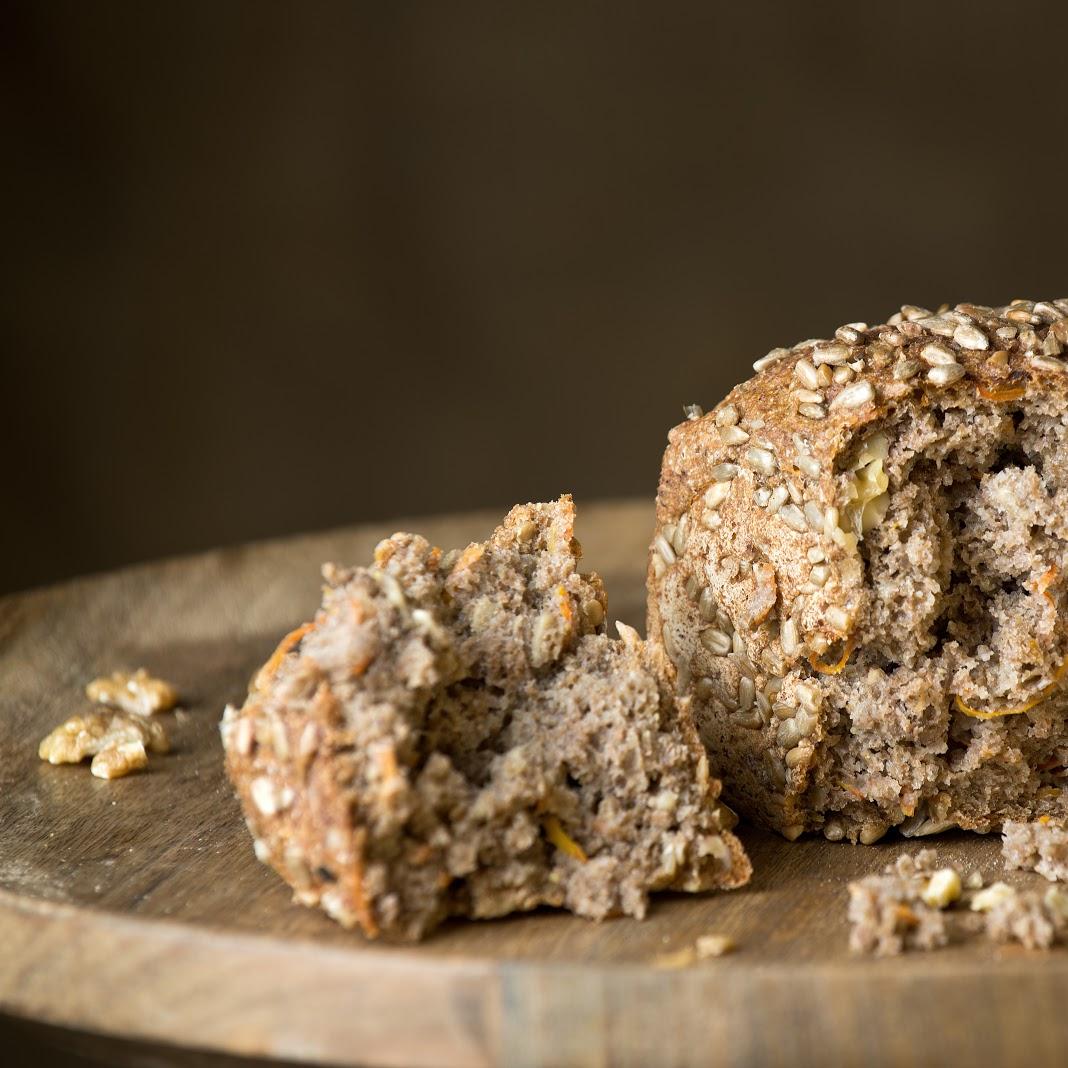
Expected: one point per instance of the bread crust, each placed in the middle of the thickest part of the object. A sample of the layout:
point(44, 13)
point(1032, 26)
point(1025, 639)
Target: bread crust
point(751, 501)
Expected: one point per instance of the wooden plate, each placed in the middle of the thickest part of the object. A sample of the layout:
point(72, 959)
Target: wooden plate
point(135, 909)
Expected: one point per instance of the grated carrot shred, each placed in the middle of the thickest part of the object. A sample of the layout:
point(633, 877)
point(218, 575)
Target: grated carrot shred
point(831, 669)
point(266, 673)
point(562, 840)
point(565, 604)
point(1001, 396)
point(996, 713)
point(1044, 583)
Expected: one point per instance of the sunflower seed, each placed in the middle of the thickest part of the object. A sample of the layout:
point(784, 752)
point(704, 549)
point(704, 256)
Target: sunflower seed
point(706, 606)
point(717, 493)
point(806, 373)
point(849, 333)
point(777, 499)
point(793, 517)
point(945, 374)
point(856, 395)
point(692, 411)
point(814, 515)
point(667, 553)
point(678, 542)
point(831, 353)
point(842, 375)
point(808, 465)
point(732, 435)
point(772, 357)
point(746, 693)
point(905, 369)
point(1049, 363)
point(761, 460)
point(809, 396)
point(970, 337)
point(838, 618)
point(725, 472)
point(716, 642)
point(936, 324)
point(819, 574)
point(936, 354)
point(797, 756)
point(789, 638)
point(788, 734)
point(809, 696)
point(812, 411)
point(727, 415)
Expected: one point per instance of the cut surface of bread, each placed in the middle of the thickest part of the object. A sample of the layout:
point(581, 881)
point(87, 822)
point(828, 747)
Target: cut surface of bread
point(860, 574)
point(456, 735)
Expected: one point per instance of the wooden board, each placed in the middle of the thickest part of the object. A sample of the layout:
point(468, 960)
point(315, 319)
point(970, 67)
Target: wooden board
point(135, 908)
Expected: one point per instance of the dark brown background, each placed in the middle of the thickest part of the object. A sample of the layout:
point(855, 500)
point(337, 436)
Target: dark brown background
point(273, 267)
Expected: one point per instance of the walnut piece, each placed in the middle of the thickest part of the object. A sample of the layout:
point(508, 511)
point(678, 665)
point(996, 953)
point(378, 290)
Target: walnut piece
point(118, 742)
point(139, 693)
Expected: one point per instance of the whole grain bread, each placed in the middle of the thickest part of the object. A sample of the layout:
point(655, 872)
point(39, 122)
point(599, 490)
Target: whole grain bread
point(858, 575)
point(457, 735)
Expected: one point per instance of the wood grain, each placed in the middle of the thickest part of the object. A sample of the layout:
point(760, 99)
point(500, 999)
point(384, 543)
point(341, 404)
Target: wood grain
point(135, 908)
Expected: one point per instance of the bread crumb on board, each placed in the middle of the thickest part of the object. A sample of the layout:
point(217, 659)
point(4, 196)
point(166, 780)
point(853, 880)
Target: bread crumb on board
point(915, 905)
point(706, 947)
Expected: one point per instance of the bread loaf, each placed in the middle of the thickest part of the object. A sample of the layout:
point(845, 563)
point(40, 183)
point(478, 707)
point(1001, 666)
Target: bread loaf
point(859, 570)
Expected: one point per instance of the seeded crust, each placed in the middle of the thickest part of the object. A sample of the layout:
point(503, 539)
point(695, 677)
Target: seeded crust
point(458, 736)
point(858, 574)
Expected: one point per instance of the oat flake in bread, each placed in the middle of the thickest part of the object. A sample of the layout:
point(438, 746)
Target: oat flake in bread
point(458, 736)
point(859, 574)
